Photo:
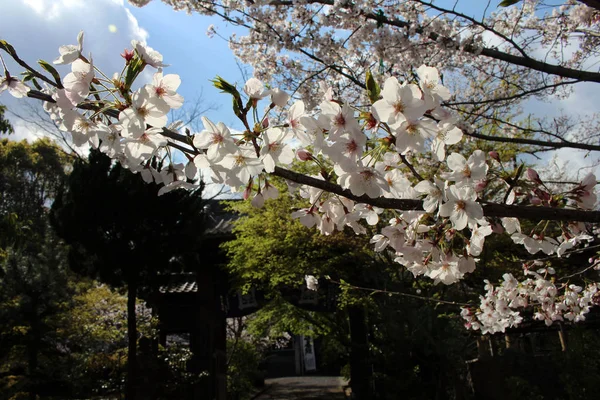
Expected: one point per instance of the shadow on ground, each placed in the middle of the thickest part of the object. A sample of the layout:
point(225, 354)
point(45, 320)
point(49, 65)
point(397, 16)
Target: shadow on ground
point(304, 388)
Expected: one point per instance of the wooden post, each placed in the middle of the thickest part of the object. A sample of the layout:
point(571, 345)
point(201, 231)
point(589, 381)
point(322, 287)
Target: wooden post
point(562, 336)
point(483, 347)
point(507, 341)
point(360, 368)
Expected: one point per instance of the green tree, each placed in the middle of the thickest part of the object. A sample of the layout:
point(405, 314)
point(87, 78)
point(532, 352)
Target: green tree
point(30, 177)
point(5, 126)
point(33, 275)
point(409, 345)
point(274, 251)
point(123, 233)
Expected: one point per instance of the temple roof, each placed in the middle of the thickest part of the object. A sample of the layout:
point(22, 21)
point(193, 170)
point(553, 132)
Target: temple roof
point(220, 220)
point(179, 283)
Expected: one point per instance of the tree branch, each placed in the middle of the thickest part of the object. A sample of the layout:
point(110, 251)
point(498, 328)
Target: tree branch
point(555, 145)
point(530, 63)
point(591, 3)
point(489, 209)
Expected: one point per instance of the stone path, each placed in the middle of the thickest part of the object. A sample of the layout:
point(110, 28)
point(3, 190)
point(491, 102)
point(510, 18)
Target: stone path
point(304, 388)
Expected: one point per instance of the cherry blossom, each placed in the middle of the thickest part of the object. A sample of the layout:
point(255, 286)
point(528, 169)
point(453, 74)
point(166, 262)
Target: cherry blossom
point(165, 88)
point(466, 172)
point(363, 180)
point(216, 139)
point(144, 109)
point(148, 54)
point(435, 194)
point(447, 134)
point(14, 86)
point(461, 206)
point(77, 83)
point(368, 147)
point(275, 150)
point(399, 103)
point(255, 89)
point(70, 53)
point(312, 283)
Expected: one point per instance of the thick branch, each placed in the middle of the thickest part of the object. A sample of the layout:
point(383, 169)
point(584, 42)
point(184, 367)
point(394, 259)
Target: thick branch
point(489, 209)
point(23, 64)
point(555, 145)
point(591, 3)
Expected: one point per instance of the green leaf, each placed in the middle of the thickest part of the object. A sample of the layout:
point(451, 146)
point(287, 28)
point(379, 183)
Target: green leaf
point(519, 172)
point(27, 76)
point(136, 65)
point(51, 70)
point(373, 89)
point(507, 3)
point(36, 84)
point(227, 87)
point(4, 45)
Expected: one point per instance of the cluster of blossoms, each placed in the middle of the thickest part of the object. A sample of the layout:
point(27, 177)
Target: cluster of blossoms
point(551, 302)
point(400, 35)
point(364, 152)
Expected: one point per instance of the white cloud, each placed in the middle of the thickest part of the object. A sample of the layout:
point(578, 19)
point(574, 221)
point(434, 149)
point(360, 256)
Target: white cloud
point(36, 28)
point(51, 9)
point(137, 32)
point(23, 131)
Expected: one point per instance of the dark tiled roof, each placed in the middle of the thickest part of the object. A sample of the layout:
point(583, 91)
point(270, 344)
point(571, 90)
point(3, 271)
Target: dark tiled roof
point(179, 283)
point(220, 221)
point(219, 226)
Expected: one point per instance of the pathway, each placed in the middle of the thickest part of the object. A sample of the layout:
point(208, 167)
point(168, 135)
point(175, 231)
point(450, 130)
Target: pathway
point(304, 388)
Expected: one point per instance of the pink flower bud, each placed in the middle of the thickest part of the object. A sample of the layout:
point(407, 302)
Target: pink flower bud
point(536, 201)
point(304, 155)
point(127, 55)
point(494, 155)
point(247, 192)
point(480, 185)
point(533, 176)
point(265, 123)
point(542, 194)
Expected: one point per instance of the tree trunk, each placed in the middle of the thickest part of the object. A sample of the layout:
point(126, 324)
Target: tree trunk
point(33, 348)
point(360, 367)
point(132, 378)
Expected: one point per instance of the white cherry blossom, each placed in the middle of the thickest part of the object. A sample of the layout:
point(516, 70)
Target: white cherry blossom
point(14, 86)
point(447, 134)
point(216, 139)
point(435, 194)
point(77, 83)
point(363, 180)
point(466, 172)
point(165, 87)
point(69, 53)
point(242, 163)
point(412, 134)
point(461, 206)
point(148, 54)
point(275, 149)
point(400, 102)
point(255, 89)
point(429, 81)
point(144, 110)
